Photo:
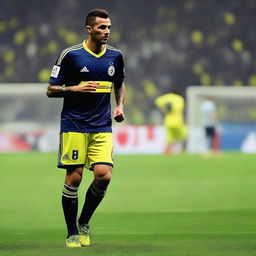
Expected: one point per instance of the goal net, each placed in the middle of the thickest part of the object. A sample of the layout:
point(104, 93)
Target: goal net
point(236, 115)
point(28, 118)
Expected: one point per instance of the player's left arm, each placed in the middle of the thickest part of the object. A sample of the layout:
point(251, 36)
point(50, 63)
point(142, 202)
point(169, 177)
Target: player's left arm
point(118, 111)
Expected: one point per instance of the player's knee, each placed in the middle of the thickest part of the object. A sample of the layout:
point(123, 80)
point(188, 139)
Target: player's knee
point(103, 179)
point(102, 175)
point(74, 177)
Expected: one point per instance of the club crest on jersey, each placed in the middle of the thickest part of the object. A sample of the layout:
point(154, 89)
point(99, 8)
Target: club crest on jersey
point(111, 70)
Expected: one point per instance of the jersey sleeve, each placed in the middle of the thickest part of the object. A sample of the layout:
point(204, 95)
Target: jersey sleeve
point(120, 72)
point(160, 102)
point(60, 71)
point(165, 103)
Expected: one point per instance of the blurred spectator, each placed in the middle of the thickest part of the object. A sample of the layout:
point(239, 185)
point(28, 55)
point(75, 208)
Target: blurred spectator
point(188, 42)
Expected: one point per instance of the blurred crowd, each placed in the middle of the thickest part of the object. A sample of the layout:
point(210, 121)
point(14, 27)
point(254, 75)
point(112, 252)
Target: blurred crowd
point(167, 44)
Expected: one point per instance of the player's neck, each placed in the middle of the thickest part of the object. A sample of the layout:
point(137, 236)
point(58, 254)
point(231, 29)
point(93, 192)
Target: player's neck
point(93, 46)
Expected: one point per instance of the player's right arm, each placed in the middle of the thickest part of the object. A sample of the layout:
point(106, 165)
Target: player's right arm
point(62, 72)
point(58, 91)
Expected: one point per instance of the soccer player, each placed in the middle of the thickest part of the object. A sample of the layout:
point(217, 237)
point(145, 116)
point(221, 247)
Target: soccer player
point(84, 75)
point(209, 122)
point(172, 105)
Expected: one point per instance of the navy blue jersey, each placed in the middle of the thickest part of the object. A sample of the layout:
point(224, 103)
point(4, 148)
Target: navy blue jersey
point(88, 112)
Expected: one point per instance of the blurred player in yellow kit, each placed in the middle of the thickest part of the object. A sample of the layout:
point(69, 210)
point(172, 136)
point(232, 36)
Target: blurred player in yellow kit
point(172, 105)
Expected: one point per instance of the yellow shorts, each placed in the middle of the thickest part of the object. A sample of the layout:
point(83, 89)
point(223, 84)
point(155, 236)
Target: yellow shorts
point(85, 149)
point(176, 133)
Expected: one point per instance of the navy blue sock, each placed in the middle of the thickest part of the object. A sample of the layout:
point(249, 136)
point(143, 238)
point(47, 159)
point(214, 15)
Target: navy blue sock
point(94, 196)
point(70, 208)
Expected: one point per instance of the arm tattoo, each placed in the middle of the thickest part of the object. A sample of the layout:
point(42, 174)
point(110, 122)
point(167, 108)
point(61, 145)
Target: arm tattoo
point(58, 91)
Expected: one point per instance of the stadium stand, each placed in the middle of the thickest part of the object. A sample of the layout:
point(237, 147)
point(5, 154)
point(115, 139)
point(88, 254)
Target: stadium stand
point(166, 44)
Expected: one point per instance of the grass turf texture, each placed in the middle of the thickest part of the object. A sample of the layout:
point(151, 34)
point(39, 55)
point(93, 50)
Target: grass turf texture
point(156, 205)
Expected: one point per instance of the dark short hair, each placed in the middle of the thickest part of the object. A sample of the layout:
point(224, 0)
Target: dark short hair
point(90, 17)
point(175, 91)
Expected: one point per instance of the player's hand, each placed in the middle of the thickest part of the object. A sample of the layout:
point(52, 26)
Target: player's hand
point(86, 87)
point(118, 114)
point(119, 118)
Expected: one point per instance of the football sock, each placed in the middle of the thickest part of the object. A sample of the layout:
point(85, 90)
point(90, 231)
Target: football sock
point(70, 207)
point(94, 196)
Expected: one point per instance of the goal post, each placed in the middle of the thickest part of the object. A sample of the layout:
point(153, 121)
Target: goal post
point(236, 114)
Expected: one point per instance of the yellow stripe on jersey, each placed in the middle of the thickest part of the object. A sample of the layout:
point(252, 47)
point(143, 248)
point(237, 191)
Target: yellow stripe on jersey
point(112, 48)
point(103, 86)
point(67, 50)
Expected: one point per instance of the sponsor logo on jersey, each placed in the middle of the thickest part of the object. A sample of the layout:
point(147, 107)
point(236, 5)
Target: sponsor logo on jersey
point(55, 71)
point(66, 157)
point(111, 70)
point(84, 69)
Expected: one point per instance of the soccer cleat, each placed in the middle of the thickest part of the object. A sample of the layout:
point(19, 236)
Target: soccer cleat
point(73, 241)
point(84, 238)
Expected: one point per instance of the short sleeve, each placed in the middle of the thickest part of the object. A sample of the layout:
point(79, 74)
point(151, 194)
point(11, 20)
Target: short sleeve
point(120, 72)
point(60, 71)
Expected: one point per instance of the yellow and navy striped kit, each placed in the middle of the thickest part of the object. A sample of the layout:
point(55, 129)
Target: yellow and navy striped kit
point(88, 112)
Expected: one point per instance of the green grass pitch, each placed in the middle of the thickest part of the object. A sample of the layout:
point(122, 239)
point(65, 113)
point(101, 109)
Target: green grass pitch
point(156, 205)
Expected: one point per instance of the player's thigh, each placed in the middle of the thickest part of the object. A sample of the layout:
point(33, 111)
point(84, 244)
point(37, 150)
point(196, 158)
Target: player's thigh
point(169, 135)
point(73, 149)
point(210, 132)
point(100, 150)
point(181, 132)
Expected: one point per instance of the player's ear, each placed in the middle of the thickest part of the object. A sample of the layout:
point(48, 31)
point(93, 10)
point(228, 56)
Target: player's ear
point(89, 29)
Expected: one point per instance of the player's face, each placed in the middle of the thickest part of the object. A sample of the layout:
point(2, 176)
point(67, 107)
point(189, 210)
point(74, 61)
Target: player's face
point(100, 30)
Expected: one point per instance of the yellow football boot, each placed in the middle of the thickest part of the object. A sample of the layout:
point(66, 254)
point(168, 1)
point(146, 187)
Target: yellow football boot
point(73, 241)
point(84, 238)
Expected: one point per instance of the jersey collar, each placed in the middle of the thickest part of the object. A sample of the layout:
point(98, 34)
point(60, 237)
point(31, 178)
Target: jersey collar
point(92, 53)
